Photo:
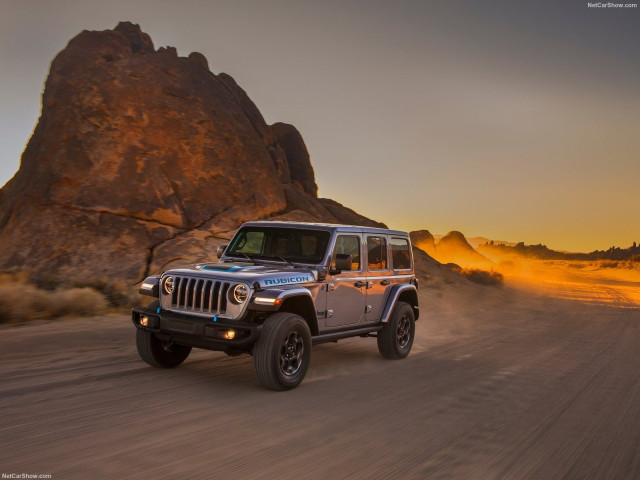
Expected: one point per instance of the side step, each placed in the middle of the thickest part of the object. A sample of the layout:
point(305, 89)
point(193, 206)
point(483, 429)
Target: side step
point(352, 332)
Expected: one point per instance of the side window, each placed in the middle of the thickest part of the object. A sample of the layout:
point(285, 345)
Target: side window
point(400, 253)
point(377, 253)
point(349, 245)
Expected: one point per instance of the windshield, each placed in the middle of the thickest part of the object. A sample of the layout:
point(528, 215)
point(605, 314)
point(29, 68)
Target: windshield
point(277, 243)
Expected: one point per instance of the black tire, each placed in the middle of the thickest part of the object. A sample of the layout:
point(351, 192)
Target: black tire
point(156, 352)
point(282, 354)
point(396, 337)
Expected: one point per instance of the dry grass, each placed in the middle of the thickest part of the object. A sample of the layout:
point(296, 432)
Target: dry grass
point(631, 264)
point(22, 300)
point(117, 292)
point(483, 277)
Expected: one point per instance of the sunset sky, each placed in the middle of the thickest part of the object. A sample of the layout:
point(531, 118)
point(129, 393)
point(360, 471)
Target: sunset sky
point(513, 120)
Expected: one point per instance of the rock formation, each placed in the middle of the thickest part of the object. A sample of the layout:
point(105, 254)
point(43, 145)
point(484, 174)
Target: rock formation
point(141, 159)
point(454, 248)
point(423, 240)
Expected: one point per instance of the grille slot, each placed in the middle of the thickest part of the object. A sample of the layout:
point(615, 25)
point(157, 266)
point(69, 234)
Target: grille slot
point(199, 295)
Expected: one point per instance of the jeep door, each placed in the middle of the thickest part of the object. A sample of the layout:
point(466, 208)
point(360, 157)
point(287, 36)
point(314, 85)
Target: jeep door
point(378, 275)
point(346, 291)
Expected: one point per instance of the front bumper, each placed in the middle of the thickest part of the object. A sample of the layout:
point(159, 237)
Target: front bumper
point(199, 332)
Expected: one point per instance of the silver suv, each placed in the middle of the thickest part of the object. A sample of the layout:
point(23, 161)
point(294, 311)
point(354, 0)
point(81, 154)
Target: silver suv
point(278, 289)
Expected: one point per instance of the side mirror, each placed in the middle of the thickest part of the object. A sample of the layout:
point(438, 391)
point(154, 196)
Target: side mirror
point(221, 249)
point(343, 261)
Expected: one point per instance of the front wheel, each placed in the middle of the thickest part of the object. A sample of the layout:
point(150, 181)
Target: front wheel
point(396, 337)
point(282, 354)
point(156, 352)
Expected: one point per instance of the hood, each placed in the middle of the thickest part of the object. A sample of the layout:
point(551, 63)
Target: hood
point(265, 275)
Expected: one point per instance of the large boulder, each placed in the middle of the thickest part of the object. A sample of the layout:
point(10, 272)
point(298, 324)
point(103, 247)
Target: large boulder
point(141, 158)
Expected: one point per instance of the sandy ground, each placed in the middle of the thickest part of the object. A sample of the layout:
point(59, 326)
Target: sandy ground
point(500, 384)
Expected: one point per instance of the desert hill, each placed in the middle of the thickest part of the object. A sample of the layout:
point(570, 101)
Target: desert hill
point(141, 159)
point(423, 240)
point(450, 248)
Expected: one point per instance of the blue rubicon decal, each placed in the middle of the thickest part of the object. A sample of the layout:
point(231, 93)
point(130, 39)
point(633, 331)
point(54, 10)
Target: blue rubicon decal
point(285, 280)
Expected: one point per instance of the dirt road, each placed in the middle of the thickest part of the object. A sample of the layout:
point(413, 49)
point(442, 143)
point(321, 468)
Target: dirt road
point(499, 385)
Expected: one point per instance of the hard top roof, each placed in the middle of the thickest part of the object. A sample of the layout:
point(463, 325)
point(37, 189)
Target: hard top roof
point(326, 226)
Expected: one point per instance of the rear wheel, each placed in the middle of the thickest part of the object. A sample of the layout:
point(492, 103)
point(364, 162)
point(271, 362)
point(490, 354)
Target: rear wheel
point(156, 352)
point(396, 337)
point(282, 354)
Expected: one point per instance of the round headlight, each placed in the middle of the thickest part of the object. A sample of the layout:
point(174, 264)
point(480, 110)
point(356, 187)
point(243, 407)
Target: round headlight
point(239, 293)
point(167, 285)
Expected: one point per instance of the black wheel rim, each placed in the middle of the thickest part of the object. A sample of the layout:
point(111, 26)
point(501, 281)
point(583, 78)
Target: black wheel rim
point(403, 334)
point(291, 353)
point(168, 346)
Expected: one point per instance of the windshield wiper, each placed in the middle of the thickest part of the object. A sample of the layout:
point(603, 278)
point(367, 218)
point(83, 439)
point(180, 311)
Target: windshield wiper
point(238, 254)
point(287, 261)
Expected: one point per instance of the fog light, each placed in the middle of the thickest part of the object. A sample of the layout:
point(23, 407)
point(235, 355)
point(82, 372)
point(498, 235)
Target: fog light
point(144, 321)
point(229, 334)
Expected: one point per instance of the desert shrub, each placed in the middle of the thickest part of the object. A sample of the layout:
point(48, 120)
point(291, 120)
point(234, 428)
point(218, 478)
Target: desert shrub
point(609, 264)
point(117, 292)
point(24, 301)
point(21, 301)
point(77, 301)
point(483, 277)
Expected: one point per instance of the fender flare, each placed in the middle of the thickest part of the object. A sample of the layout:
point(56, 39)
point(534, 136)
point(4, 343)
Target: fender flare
point(396, 292)
point(309, 310)
point(150, 286)
point(287, 294)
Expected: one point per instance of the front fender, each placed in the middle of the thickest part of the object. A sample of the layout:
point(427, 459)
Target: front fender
point(298, 300)
point(271, 299)
point(150, 286)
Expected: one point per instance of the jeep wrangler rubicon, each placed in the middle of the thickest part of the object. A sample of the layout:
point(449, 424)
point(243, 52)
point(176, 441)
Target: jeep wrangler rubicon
point(278, 289)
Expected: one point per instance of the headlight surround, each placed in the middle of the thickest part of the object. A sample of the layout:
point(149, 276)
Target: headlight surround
point(239, 293)
point(167, 285)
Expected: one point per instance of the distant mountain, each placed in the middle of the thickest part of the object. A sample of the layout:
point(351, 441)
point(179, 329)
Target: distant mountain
point(475, 242)
point(423, 240)
point(542, 252)
point(454, 248)
point(450, 248)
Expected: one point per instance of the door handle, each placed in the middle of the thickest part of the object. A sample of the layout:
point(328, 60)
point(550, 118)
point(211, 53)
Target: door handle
point(360, 284)
point(385, 282)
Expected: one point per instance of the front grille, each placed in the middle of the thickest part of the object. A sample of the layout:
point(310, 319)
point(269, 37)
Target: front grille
point(199, 295)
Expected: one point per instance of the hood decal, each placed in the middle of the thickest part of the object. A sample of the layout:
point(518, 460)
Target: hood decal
point(221, 267)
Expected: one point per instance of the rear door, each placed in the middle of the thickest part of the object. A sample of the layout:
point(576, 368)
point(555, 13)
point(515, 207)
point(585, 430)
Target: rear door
point(377, 275)
point(346, 291)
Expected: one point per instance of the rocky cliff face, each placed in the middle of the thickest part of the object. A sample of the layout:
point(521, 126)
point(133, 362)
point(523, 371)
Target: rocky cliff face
point(142, 159)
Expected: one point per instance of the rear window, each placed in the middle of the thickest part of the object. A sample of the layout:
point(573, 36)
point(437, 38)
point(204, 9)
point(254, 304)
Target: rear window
point(400, 253)
point(376, 253)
